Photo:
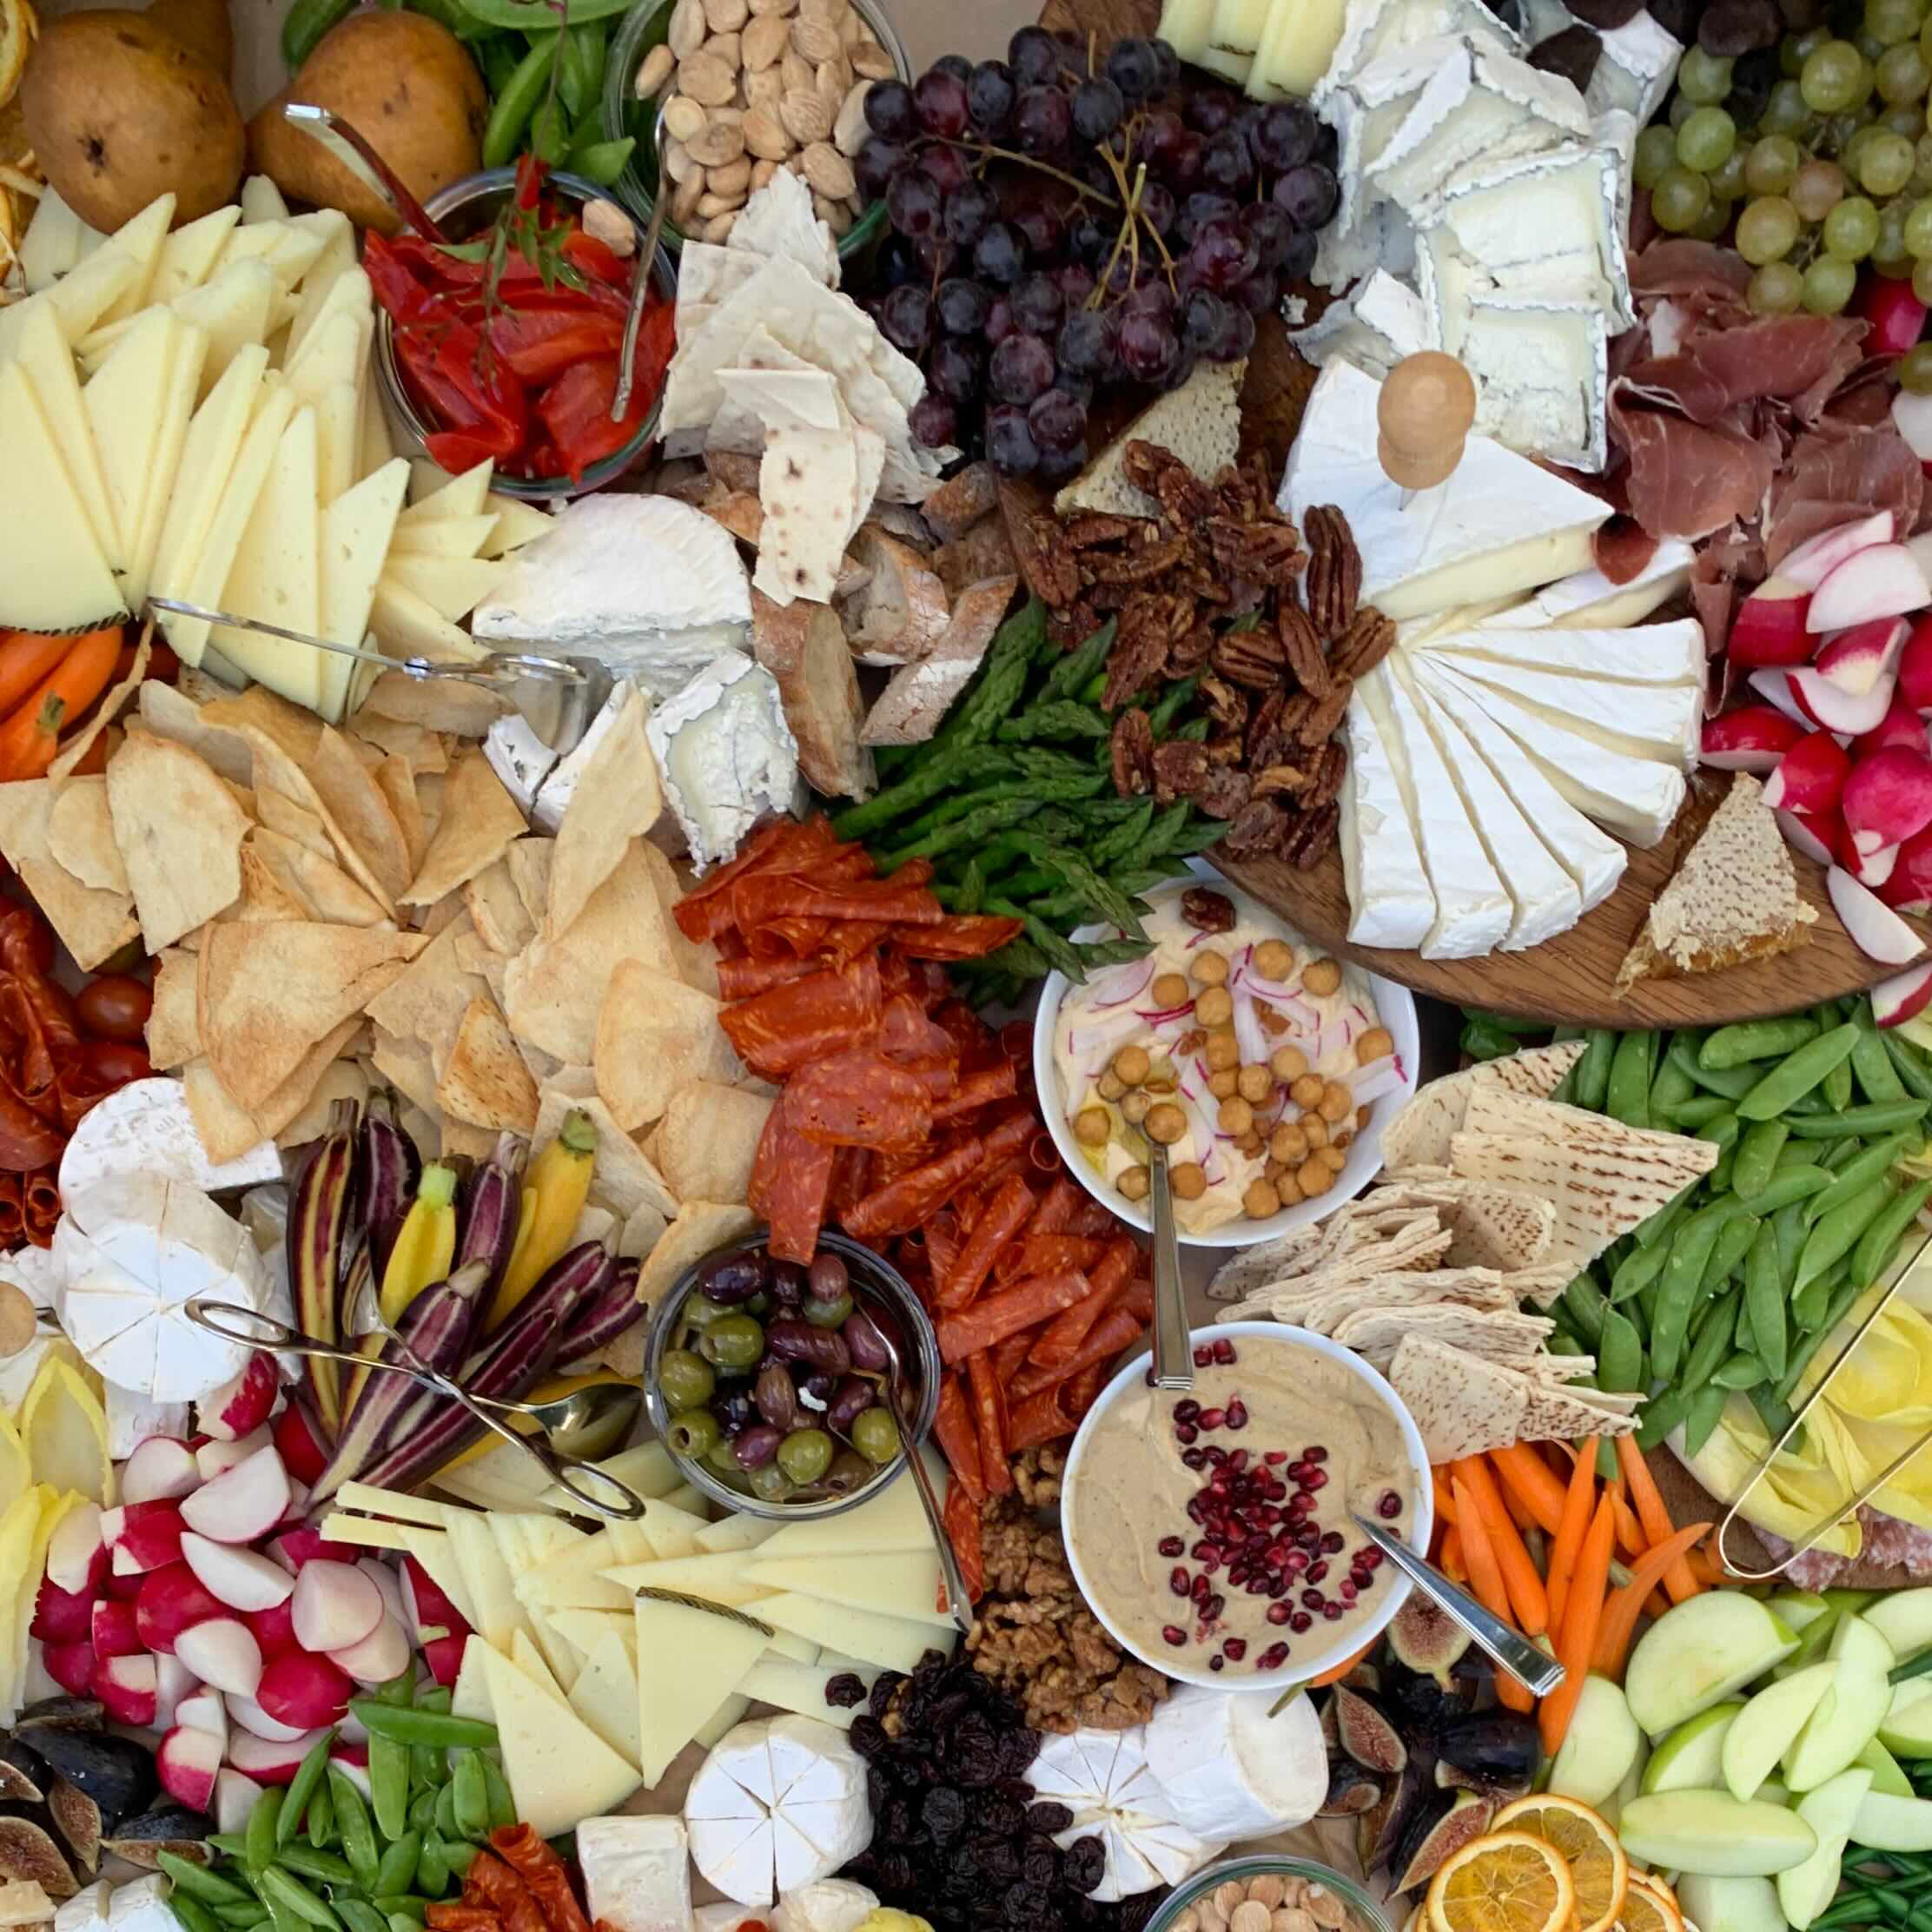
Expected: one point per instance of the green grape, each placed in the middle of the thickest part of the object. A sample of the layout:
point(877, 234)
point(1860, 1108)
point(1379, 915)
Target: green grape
point(1703, 77)
point(1902, 74)
point(1918, 231)
point(1776, 289)
point(1832, 77)
point(1903, 118)
point(1713, 222)
point(1921, 281)
point(1727, 180)
point(1817, 188)
point(1892, 21)
point(1886, 164)
point(1869, 45)
point(1799, 48)
point(1850, 153)
point(1656, 149)
point(1915, 369)
point(1767, 230)
point(1706, 139)
point(1925, 40)
point(1681, 108)
point(1828, 285)
point(1851, 229)
point(1680, 200)
point(1889, 254)
point(1770, 166)
point(1785, 112)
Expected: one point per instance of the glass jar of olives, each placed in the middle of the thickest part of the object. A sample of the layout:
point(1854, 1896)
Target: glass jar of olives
point(765, 1379)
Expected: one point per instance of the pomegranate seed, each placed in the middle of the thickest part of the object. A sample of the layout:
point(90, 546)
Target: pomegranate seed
point(1185, 1432)
point(1237, 1414)
point(1224, 1351)
point(1273, 1658)
point(1171, 1546)
point(1332, 1542)
point(1203, 1357)
point(1234, 1649)
point(1178, 1581)
point(1317, 1571)
point(1216, 1454)
point(1300, 1621)
point(1332, 1611)
point(1199, 1589)
point(1215, 1663)
point(1238, 1573)
point(1197, 1510)
point(1316, 1479)
point(1388, 1508)
point(1267, 1513)
point(1347, 1593)
point(1213, 1419)
point(1202, 1549)
point(1312, 1599)
point(1237, 1458)
point(1275, 1458)
point(1211, 1562)
point(1294, 1562)
point(1186, 1410)
point(1215, 1605)
point(1279, 1613)
point(1195, 1458)
point(1174, 1634)
point(1370, 1558)
point(1273, 1490)
point(1278, 1586)
point(1316, 1454)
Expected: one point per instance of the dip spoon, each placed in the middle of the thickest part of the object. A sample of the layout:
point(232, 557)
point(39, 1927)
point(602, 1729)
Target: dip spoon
point(1174, 1361)
point(1530, 1667)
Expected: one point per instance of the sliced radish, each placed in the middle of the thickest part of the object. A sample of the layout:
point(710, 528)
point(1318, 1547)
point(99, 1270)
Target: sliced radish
point(1876, 929)
point(235, 1796)
point(145, 1536)
point(299, 1442)
point(1856, 660)
point(114, 1630)
point(1897, 315)
point(175, 1684)
point(1902, 728)
point(1837, 711)
point(1751, 739)
point(427, 1603)
point(1815, 560)
point(170, 1600)
point(223, 1652)
point(204, 1711)
point(354, 1763)
point(298, 1505)
point(188, 1762)
point(70, 1666)
point(267, 1762)
point(335, 1606)
point(1874, 868)
point(243, 1402)
point(384, 1653)
point(444, 1656)
point(1909, 888)
point(1775, 688)
point(243, 1503)
point(298, 1689)
point(351, 1730)
point(1903, 996)
point(1769, 629)
point(1912, 418)
point(248, 1714)
point(128, 1587)
point(1915, 665)
point(61, 1616)
point(1811, 837)
point(1887, 797)
point(243, 1579)
point(77, 1553)
point(1886, 580)
point(389, 1582)
point(273, 1628)
point(1810, 777)
point(160, 1468)
point(214, 1458)
point(293, 1548)
point(126, 1685)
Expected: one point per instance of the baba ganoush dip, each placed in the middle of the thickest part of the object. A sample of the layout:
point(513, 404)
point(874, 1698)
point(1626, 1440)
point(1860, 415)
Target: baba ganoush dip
point(1214, 1528)
point(1253, 1057)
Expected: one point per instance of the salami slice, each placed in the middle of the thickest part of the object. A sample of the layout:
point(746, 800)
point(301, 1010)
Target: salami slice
point(979, 1089)
point(961, 936)
point(1067, 1332)
point(491, 1882)
point(1117, 1329)
point(971, 1330)
point(990, 1419)
point(449, 1915)
point(1040, 1418)
point(963, 1531)
point(786, 938)
point(900, 900)
point(1007, 1138)
point(706, 910)
point(1057, 1209)
point(790, 1026)
point(859, 1100)
point(1003, 1217)
point(958, 1439)
point(542, 1871)
point(1048, 1254)
point(904, 1203)
point(744, 979)
point(790, 1178)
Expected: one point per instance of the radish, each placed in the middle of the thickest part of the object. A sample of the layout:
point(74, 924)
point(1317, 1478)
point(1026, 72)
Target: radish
point(144, 1536)
point(222, 1652)
point(1909, 888)
point(353, 1760)
point(1810, 777)
point(116, 1631)
point(351, 1730)
point(293, 1548)
point(1856, 660)
point(1903, 996)
point(384, 1653)
point(1751, 739)
point(243, 1402)
point(70, 1666)
point(1824, 703)
point(1775, 688)
point(248, 1713)
point(235, 1796)
point(243, 1579)
point(170, 1600)
point(1897, 315)
point(61, 1616)
point(1876, 929)
point(188, 1764)
point(1912, 419)
point(216, 1458)
point(175, 1684)
point(126, 1686)
point(204, 1711)
point(302, 1690)
point(295, 1436)
point(298, 1505)
point(1887, 797)
point(1817, 557)
point(242, 1504)
point(273, 1628)
point(160, 1467)
point(428, 1609)
point(76, 1552)
point(1872, 869)
point(127, 1587)
point(1814, 838)
point(386, 1582)
point(1901, 727)
point(1768, 628)
point(444, 1656)
point(335, 1606)
point(1883, 581)
point(269, 1763)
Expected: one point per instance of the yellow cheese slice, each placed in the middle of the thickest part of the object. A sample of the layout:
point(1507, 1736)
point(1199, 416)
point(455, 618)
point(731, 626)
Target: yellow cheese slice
point(892, 1520)
point(585, 1629)
point(646, 1467)
point(17, 1530)
point(276, 576)
point(606, 1696)
point(261, 200)
point(339, 440)
point(334, 352)
point(445, 495)
point(527, 1658)
point(52, 243)
point(333, 286)
point(143, 239)
point(499, 1614)
point(453, 536)
point(234, 309)
point(177, 414)
point(905, 1584)
point(16, 1474)
point(126, 404)
point(365, 1533)
point(722, 1719)
point(689, 1661)
point(375, 445)
point(561, 1771)
point(285, 250)
point(674, 1532)
point(53, 574)
point(54, 1505)
point(735, 1532)
point(48, 364)
point(894, 1643)
point(451, 586)
point(188, 255)
point(470, 1696)
point(404, 1507)
point(80, 300)
point(718, 1578)
point(356, 540)
point(517, 524)
point(1297, 43)
point(431, 1548)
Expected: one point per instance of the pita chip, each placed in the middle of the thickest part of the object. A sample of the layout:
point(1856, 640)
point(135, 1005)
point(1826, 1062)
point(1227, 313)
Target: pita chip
point(342, 1080)
point(1553, 1412)
point(484, 1080)
point(436, 704)
point(654, 1036)
point(1499, 1335)
point(323, 886)
point(707, 1140)
point(623, 1179)
point(427, 1000)
point(641, 1233)
point(404, 1061)
point(529, 861)
point(397, 782)
point(224, 1124)
point(168, 713)
point(80, 835)
point(174, 1030)
point(1463, 1405)
point(420, 748)
point(109, 707)
point(465, 1142)
point(701, 1226)
point(349, 793)
point(617, 797)
point(1490, 1226)
point(479, 822)
point(276, 771)
point(180, 832)
point(496, 911)
point(295, 731)
point(280, 813)
point(267, 995)
point(1419, 1135)
point(694, 960)
point(264, 899)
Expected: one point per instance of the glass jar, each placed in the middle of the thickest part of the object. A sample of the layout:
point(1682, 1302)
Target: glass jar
point(1363, 1913)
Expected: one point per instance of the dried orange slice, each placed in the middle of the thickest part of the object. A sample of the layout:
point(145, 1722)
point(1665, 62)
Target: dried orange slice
point(17, 28)
point(1647, 1910)
point(1590, 1847)
point(1506, 1882)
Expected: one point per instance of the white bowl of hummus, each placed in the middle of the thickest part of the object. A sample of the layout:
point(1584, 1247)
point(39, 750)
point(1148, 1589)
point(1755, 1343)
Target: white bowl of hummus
point(1268, 1068)
point(1212, 1532)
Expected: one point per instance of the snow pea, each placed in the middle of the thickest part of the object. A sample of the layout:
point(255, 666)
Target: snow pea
point(199, 1883)
point(503, 1809)
point(1758, 1155)
point(1733, 1083)
point(1721, 1130)
point(1910, 1065)
point(193, 1915)
point(1876, 1245)
point(1835, 1235)
point(1764, 1299)
point(1697, 1111)
point(1713, 1342)
point(309, 1775)
point(284, 1889)
point(421, 1727)
point(1785, 1188)
point(399, 1864)
point(359, 1914)
point(1797, 1073)
point(1638, 1270)
point(1620, 1353)
point(1664, 1220)
point(1743, 1371)
point(432, 1868)
point(1670, 1089)
point(1878, 1078)
point(1592, 1071)
point(1886, 1117)
point(1733, 1244)
point(306, 1862)
point(523, 14)
point(1628, 1098)
point(1583, 1301)
point(320, 1817)
point(471, 1795)
point(1738, 1046)
point(1705, 1412)
point(389, 1785)
point(352, 1821)
point(1684, 1271)
point(516, 103)
point(264, 1830)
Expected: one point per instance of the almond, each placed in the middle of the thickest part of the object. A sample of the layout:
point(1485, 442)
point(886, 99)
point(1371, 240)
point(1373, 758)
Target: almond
point(766, 136)
point(718, 228)
point(653, 71)
point(807, 115)
point(831, 11)
point(849, 127)
point(726, 17)
point(834, 80)
point(707, 79)
point(678, 164)
point(829, 171)
point(764, 89)
point(871, 60)
point(688, 28)
point(683, 204)
point(710, 204)
point(683, 118)
point(796, 70)
point(719, 143)
point(773, 9)
point(762, 171)
point(732, 181)
point(814, 40)
point(852, 29)
point(832, 214)
point(723, 47)
point(764, 42)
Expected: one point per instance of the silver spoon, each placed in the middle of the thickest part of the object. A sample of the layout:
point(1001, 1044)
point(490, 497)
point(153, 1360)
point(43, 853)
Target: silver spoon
point(640, 286)
point(1174, 1361)
point(1530, 1667)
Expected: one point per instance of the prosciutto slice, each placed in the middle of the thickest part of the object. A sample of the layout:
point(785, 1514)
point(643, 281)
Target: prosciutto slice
point(1688, 479)
point(1799, 360)
point(1837, 473)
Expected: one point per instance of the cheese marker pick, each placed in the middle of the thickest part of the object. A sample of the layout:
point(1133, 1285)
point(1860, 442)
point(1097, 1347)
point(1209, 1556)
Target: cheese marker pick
point(1423, 415)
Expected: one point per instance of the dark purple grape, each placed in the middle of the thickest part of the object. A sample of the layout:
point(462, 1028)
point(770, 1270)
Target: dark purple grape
point(890, 112)
point(999, 255)
point(1211, 109)
point(999, 321)
point(878, 161)
point(1033, 56)
point(1057, 423)
point(1300, 262)
point(937, 258)
point(940, 99)
point(946, 166)
point(1022, 368)
point(1271, 229)
point(792, 1340)
point(1167, 64)
point(1151, 297)
point(953, 370)
point(1009, 442)
point(1149, 347)
point(1038, 305)
point(1075, 387)
point(934, 422)
point(1237, 338)
point(815, 1390)
point(1203, 316)
point(1162, 134)
point(1098, 107)
point(1158, 208)
point(1120, 275)
point(907, 321)
point(1183, 367)
point(1228, 163)
point(1284, 135)
point(1087, 242)
point(1086, 343)
point(989, 96)
point(1045, 230)
point(1184, 171)
point(957, 65)
point(1061, 467)
point(1042, 121)
point(1077, 282)
point(1261, 292)
point(1224, 253)
point(1134, 68)
point(1200, 207)
point(963, 304)
point(1308, 193)
point(913, 204)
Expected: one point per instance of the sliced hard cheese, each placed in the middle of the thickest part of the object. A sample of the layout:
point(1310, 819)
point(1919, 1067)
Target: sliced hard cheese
point(1296, 46)
point(339, 439)
point(893, 1643)
point(319, 298)
point(450, 586)
point(433, 1551)
point(355, 539)
point(498, 1615)
point(606, 1696)
point(175, 419)
point(374, 446)
point(517, 524)
point(78, 300)
point(143, 238)
point(689, 1662)
point(189, 255)
point(52, 243)
point(284, 249)
point(893, 1520)
point(735, 1532)
point(457, 535)
point(275, 575)
point(125, 404)
point(53, 574)
point(585, 1629)
point(335, 351)
point(451, 496)
point(48, 364)
point(905, 1585)
point(527, 1658)
point(671, 1531)
point(559, 1769)
point(470, 1696)
point(719, 1577)
point(234, 309)
point(801, 1687)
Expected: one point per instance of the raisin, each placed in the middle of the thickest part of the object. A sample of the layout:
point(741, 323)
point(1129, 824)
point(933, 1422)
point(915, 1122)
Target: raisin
point(1048, 1820)
point(844, 1691)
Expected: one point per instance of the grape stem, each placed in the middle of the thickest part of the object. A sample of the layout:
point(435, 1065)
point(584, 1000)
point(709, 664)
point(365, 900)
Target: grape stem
point(1133, 197)
point(1129, 236)
point(986, 151)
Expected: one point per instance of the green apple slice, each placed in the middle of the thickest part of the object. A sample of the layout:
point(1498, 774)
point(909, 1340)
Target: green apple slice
point(1888, 1780)
point(1731, 1904)
point(1814, 1643)
point(1600, 1746)
point(1699, 1653)
point(1848, 1717)
point(1691, 1757)
point(1768, 1726)
point(1714, 1833)
point(1798, 1607)
point(1806, 1889)
point(1886, 1823)
point(1906, 1727)
point(1904, 1620)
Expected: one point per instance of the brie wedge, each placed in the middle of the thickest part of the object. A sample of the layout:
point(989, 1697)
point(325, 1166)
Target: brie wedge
point(1388, 889)
point(1654, 721)
point(1230, 1769)
point(145, 1128)
point(1589, 601)
point(1635, 67)
point(1104, 1777)
point(1642, 654)
point(637, 1873)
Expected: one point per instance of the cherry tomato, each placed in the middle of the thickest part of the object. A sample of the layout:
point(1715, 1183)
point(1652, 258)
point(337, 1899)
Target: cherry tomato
point(116, 1007)
point(117, 1062)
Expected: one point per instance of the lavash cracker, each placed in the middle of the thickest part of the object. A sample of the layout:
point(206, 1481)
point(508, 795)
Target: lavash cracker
point(1499, 1335)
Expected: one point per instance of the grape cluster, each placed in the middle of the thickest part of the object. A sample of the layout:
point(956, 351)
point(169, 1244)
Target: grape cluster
point(1818, 149)
point(1058, 226)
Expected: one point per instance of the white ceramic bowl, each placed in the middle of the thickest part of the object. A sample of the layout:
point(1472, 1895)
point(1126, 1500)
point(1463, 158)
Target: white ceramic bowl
point(1395, 1006)
point(1307, 1660)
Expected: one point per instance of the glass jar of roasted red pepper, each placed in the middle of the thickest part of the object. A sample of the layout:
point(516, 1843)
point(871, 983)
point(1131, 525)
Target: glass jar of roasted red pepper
point(504, 341)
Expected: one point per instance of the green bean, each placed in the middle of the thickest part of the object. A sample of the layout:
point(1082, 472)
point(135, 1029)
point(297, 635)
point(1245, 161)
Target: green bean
point(311, 1863)
point(1764, 1299)
point(1733, 1083)
point(398, 1864)
point(1876, 1245)
point(389, 1781)
point(1683, 1276)
point(1796, 1075)
point(1878, 1078)
point(1869, 1164)
point(1696, 1112)
point(1835, 1234)
point(264, 1830)
point(1628, 1098)
point(1734, 1242)
point(1584, 1301)
point(1786, 1186)
point(191, 1913)
point(352, 1821)
point(1913, 1071)
point(293, 1896)
point(1879, 1118)
point(1701, 1419)
point(1712, 1344)
point(1671, 1087)
point(199, 1882)
point(1620, 1353)
point(308, 1777)
point(1736, 1046)
point(1758, 1155)
point(1744, 1371)
point(503, 1809)
point(472, 1797)
point(421, 1727)
point(1637, 1271)
point(1592, 1071)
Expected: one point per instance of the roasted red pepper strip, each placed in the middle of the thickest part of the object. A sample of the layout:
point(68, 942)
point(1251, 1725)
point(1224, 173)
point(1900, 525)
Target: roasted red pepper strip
point(543, 1871)
point(540, 346)
point(575, 411)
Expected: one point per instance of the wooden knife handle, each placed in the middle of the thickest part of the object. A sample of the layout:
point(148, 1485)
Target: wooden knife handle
point(17, 1319)
point(1423, 414)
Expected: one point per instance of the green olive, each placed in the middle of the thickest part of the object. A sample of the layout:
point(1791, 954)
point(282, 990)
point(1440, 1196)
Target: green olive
point(699, 1312)
point(875, 1435)
point(806, 1455)
point(686, 1378)
point(760, 1304)
point(771, 1484)
point(826, 1315)
point(721, 1457)
point(694, 1432)
point(850, 1471)
point(733, 1341)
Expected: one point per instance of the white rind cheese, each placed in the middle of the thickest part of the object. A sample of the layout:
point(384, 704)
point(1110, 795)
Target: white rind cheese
point(1381, 321)
point(637, 1873)
point(146, 1127)
point(1232, 1769)
point(1388, 889)
point(1589, 601)
point(1651, 721)
point(1634, 71)
point(1642, 654)
point(1542, 374)
point(1104, 1777)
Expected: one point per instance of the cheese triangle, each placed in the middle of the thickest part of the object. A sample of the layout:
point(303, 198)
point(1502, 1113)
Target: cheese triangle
point(529, 1659)
point(894, 1643)
point(905, 1584)
point(892, 1520)
point(689, 1660)
point(188, 255)
point(53, 574)
point(456, 496)
point(143, 238)
point(354, 540)
point(234, 309)
point(49, 364)
point(176, 418)
point(126, 404)
point(52, 243)
point(276, 573)
point(606, 1696)
point(561, 1771)
point(718, 1578)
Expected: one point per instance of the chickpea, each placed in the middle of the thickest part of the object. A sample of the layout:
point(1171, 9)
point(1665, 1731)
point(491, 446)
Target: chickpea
point(1160, 1076)
point(1337, 1104)
point(1189, 1179)
point(1215, 1006)
point(1378, 1043)
point(1235, 1115)
point(1131, 1064)
point(1332, 1158)
point(1171, 989)
point(1306, 1089)
point(1288, 1064)
point(1135, 1105)
point(1209, 968)
point(1092, 1128)
point(1109, 1086)
point(1259, 1200)
point(1315, 1128)
point(1315, 1176)
point(1165, 1123)
point(1134, 1183)
point(1287, 1187)
point(1288, 1143)
point(1224, 1084)
point(1256, 1082)
point(1274, 959)
point(1322, 977)
point(1274, 1170)
point(1223, 1049)
point(1251, 1142)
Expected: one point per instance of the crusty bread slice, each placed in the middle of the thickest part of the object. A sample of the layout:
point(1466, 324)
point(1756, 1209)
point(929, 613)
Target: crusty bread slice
point(903, 610)
point(1200, 422)
point(910, 709)
point(961, 502)
point(802, 646)
point(986, 550)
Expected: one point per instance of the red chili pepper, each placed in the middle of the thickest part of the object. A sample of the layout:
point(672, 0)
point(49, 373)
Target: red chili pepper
point(576, 410)
point(540, 347)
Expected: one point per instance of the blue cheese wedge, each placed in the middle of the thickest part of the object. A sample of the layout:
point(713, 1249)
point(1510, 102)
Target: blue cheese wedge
point(637, 1872)
point(1388, 888)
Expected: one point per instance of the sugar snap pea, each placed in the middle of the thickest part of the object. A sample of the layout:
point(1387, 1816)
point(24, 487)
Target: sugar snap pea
point(210, 1887)
point(1671, 1087)
point(1638, 1270)
point(1629, 1096)
point(191, 1914)
point(421, 1727)
point(1733, 1244)
point(1733, 1083)
point(1758, 1155)
point(446, 1812)
point(306, 1862)
point(1797, 1073)
point(1743, 1371)
point(1835, 1234)
point(1690, 1249)
point(1699, 1111)
point(1620, 1354)
point(503, 1809)
point(1648, 1232)
point(1878, 1078)
point(515, 105)
point(242, 1915)
point(284, 1889)
point(398, 1868)
point(1914, 1073)
point(1883, 1117)
point(471, 1796)
point(1592, 1071)
point(1702, 1417)
point(1712, 1344)
point(319, 1818)
point(352, 1822)
point(1720, 1177)
point(309, 1775)
point(230, 1845)
point(1661, 1415)
point(422, 1810)
point(1765, 1302)
point(1876, 1246)
point(359, 1914)
point(264, 1830)
point(1786, 1186)
point(1721, 1130)
point(389, 1781)
point(1736, 1046)
point(1583, 1301)
point(1870, 1163)
point(1835, 1089)
point(432, 1868)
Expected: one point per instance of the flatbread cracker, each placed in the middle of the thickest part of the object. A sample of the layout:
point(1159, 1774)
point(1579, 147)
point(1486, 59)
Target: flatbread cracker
point(180, 832)
point(1500, 1335)
point(427, 1000)
point(479, 820)
point(707, 1140)
point(617, 797)
point(349, 791)
point(698, 1228)
point(1419, 1135)
point(173, 1028)
point(1462, 1405)
point(109, 707)
point(655, 1036)
point(80, 835)
point(484, 1080)
point(496, 911)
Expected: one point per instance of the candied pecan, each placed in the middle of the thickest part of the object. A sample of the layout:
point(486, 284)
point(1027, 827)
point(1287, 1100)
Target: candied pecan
point(1180, 769)
point(1272, 780)
point(1252, 659)
point(1207, 911)
point(1308, 839)
point(1225, 750)
point(1329, 772)
point(1334, 580)
point(1139, 565)
point(1149, 624)
point(1308, 659)
point(1325, 715)
point(1257, 828)
point(1225, 704)
point(1085, 533)
point(1073, 625)
point(1263, 553)
point(1132, 754)
point(1364, 644)
point(1189, 652)
point(1056, 569)
point(1263, 727)
point(1225, 792)
point(1161, 474)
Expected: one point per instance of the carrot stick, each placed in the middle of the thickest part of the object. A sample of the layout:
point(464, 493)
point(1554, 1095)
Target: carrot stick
point(1526, 1476)
point(26, 657)
point(1518, 1512)
point(1485, 1573)
point(1528, 1599)
point(1582, 1615)
point(1655, 1515)
point(1335, 1672)
point(1623, 1606)
point(1570, 1530)
point(1704, 1570)
point(31, 735)
point(1445, 1503)
point(1453, 1562)
point(1631, 1539)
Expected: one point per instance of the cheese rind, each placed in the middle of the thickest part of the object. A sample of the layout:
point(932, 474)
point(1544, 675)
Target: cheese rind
point(1388, 889)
